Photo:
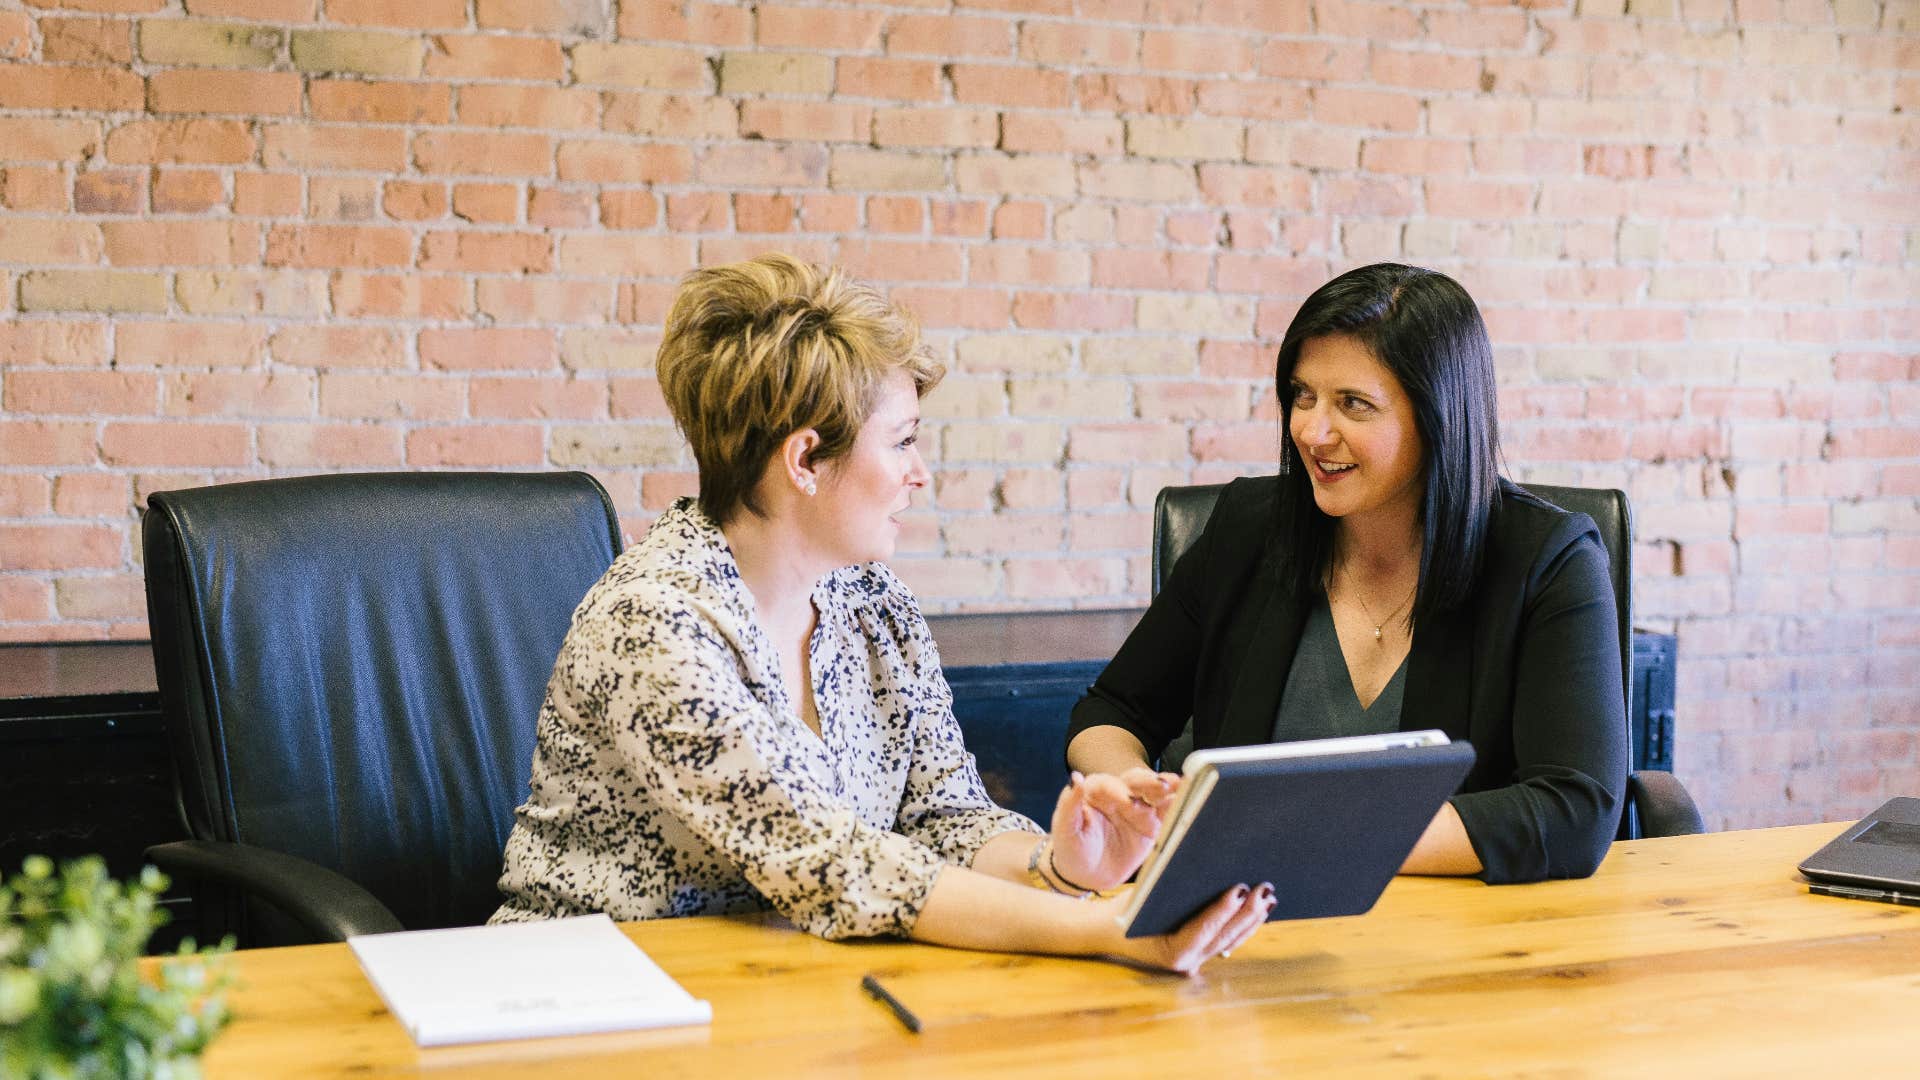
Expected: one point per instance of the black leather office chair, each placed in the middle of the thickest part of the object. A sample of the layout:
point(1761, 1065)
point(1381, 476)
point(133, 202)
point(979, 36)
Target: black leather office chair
point(1657, 803)
point(351, 668)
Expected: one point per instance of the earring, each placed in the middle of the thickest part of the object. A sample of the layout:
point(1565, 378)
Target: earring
point(811, 488)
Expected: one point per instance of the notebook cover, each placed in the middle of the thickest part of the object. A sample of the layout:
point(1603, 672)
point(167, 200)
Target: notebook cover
point(1329, 831)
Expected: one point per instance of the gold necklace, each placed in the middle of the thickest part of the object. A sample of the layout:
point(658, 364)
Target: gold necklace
point(1378, 627)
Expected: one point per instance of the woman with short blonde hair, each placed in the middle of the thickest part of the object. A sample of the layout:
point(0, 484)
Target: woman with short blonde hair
point(748, 711)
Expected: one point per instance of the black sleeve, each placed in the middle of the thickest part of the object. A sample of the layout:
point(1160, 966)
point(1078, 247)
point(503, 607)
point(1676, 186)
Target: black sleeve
point(1561, 810)
point(1147, 688)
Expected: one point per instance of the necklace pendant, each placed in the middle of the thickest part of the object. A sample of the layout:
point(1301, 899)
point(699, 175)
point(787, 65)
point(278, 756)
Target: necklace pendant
point(1376, 633)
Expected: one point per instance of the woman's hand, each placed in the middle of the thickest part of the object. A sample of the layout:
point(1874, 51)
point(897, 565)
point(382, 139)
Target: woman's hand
point(1104, 825)
point(1217, 930)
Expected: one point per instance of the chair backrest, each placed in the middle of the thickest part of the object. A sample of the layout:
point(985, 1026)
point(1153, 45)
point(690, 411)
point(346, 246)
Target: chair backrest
point(351, 666)
point(1610, 511)
point(1179, 516)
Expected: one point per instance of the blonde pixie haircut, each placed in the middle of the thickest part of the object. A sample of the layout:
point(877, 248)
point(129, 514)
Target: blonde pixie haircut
point(755, 351)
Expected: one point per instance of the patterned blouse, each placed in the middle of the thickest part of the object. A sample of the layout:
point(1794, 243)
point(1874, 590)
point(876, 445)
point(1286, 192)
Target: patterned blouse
point(673, 776)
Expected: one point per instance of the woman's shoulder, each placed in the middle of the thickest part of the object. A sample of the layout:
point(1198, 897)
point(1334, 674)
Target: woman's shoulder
point(1529, 531)
point(681, 564)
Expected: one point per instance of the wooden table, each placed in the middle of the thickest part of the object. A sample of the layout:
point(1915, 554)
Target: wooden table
point(1688, 956)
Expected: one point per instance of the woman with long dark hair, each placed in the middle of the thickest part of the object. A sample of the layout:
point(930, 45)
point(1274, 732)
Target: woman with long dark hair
point(1389, 579)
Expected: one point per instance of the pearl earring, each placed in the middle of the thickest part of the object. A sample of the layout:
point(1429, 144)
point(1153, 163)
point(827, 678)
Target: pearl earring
point(811, 488)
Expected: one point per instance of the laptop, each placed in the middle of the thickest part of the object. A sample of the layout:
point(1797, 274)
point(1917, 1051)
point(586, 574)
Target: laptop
point(1877, 858)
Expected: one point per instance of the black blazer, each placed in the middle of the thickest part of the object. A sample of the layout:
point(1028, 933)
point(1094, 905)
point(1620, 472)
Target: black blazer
point(1528, 671)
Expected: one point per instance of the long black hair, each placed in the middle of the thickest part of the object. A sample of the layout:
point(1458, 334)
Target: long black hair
point(1425, 329)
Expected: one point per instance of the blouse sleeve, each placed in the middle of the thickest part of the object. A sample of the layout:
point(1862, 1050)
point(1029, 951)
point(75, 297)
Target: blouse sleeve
point(672, 691)
point(945, 805)
point(1558, 816)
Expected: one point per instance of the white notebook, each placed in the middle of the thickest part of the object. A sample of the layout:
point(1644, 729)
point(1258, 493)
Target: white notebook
point(570, 976)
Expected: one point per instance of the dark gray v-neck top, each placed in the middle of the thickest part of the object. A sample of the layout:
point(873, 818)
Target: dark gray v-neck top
point(1319, 701)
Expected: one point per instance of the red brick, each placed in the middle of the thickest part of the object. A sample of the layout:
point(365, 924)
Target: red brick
point(1203, 53)
point(110, 191)
point(1318, 59)
point(643, 302)
point(338, 246)
point(1072, 311)
point(946, 36)
point(33, 342)
point(554, 208)
point(187, 344)
point(629, 209)
point(286, 11)
point(413, 200)
point(266, 194)
point(169, 142)
point(936, 127)
point(636, 256)
point(329, 445)
point(81, 393)
point(1055, 578)
point(403, 14)
point(41, 442)
point(494, 204)
point(1071, 44)
point(950, 308)
point(679, 20)
point(543, 107)
point(338, 346)
point(1250, 185)
point(60, 547)
point(817, 28)
point(181, 243)
point(647, 67)
point(891, 79)
point(489, 56)
point(472, 349)
point(1004, 264)
point(764, 213)
point(86, 40)
point(902, 260)
point(483, 153)
point(470, 445)
point(379, 102)
point(31, 188)
point(176, 443)
point(1048, 133)
point(1155, 95)
point(487, 252)
point(606, 161)
point(751, 165)
point(187, 191)
point(510, 300)
point(252, 93)
point(357, 396)
point(1376, 109)
point(305, 147)
point(238, 394)
point(91, 495)
point(538, 398)
point(411, 296)
point(637, 398)
point(89, 89)
point(1020, 221)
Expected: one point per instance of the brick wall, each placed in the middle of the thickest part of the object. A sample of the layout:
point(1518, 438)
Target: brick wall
point(242, 238)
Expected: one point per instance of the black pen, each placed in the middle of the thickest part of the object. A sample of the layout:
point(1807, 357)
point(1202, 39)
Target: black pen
point(1885, 896)
point(900, 1012)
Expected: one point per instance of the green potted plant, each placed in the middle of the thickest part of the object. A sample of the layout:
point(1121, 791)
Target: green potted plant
point(73, 1003)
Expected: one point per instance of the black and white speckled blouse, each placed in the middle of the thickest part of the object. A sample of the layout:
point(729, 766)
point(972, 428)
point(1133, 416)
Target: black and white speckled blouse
point(673, 775)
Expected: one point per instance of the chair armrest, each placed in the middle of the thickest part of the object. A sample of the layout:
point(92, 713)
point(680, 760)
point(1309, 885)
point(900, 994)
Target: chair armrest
point(1663, 804)
point(325, 903)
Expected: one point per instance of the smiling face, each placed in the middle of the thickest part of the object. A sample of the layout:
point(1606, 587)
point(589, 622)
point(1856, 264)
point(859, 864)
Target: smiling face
point(862, 492)
point(1354, 429)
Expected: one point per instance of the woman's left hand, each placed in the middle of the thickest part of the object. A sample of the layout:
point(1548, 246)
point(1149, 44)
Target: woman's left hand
point(1104, 825)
